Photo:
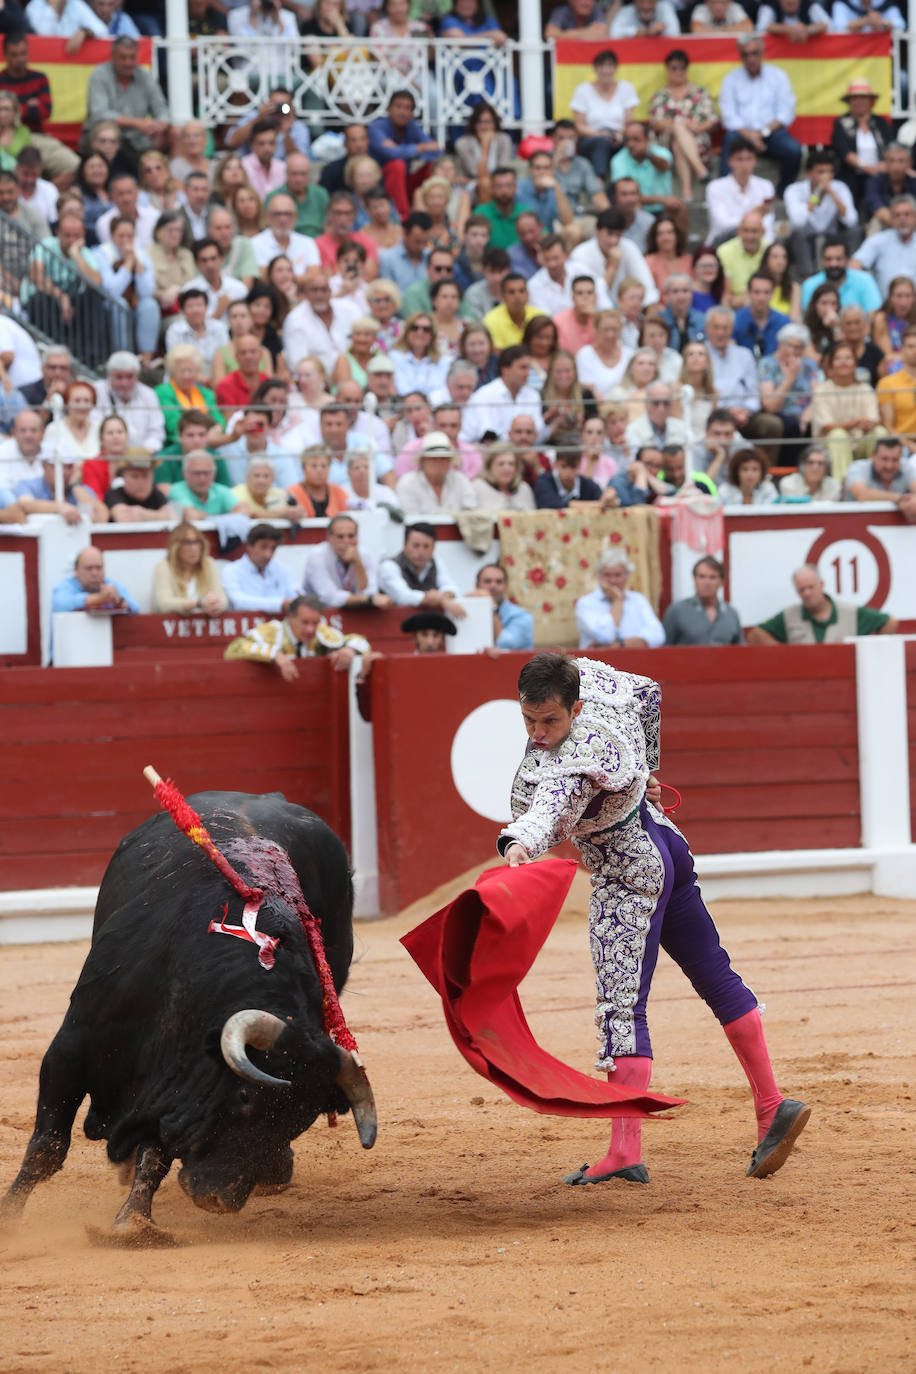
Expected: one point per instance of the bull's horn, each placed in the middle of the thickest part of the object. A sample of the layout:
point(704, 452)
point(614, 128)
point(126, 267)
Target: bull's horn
point(258, 1028)
point(352, 1078)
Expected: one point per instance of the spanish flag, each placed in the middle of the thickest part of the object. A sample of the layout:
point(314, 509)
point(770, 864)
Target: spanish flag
point(819, 70)
point(68, 75)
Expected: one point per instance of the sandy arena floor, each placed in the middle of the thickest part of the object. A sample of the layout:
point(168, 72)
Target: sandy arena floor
point(453, 1245)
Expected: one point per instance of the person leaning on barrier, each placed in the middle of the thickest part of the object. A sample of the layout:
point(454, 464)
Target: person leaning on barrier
point(36, 496)
point(187, 580)
point(886, 476)
point(615, 615)
point(812, 481)
point(135, 497)
point(88, 590)
point(703, 618)
point(416, 578)
point(341, 574)
point(303, 633)
point(257, 581)
point(198, 493)
point(819, 619)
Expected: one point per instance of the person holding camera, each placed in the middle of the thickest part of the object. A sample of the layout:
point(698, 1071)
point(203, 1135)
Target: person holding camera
point(293, 134)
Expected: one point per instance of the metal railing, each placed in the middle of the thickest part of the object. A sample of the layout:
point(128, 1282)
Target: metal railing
point(49, 293)
point(355, 79)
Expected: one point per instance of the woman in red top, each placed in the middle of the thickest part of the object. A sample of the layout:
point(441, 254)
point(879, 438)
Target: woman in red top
point(99, 473)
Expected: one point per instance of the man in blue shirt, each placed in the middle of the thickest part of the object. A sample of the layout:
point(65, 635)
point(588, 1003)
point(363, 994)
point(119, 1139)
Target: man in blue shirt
point(396, 137)
point(853, 287)
point(557, 489)
point(756, 325)
point(513, 626)
point(541, 190)
point(407, 262)
point(87, 589)
point(256, 581)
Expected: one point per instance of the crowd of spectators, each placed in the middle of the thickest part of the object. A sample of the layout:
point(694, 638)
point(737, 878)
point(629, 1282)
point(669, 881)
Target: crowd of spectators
point(433, 330)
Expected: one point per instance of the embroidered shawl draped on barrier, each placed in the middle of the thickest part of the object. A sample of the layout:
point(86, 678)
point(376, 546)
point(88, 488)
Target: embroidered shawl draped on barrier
point(475, 952)
point(550, 559)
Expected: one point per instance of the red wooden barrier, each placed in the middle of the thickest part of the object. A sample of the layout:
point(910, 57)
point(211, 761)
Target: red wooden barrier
point(76, 739)
point(28, 548)
point(137, 637)
point(910, 651)
point(761, 742)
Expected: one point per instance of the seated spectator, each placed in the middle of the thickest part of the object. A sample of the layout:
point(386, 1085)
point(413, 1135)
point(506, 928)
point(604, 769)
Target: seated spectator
point(128, 275)
point(158, 188)
point(649, 165)
point(787, 380)
point(34, 191)
point(757, 104)
point(311, 200)
point(887, 476)
point(844, 411)
point(641, 483)
point(55, 298)
point(657, 427)
point(506, 323)
point(497, 200)
point(711, 453)
point(598, 462)
point(818, 206)
point(339, 228)
point(525, 254)
point(628, 201)
point(125, 205)
point(684, 482)
point(56, 376)
point(496, 404)
point(703, 618)
point(123, 393)
point(735, 193)
point(87, 589)
point(195, 431)
point(812, 481)
point(257, 581)
point(501, 485)
point(280, 239)
point(98, 473)
point(893, 250)
point(194, 326)
point(822, 319)
point(418, 365)
point(757, 325)
point(748, 483)
point(35, 496)
point(540, 341)
point(547, 200)
point(793, 19)
point(341, 574)
point(349, 281)
point(890, 323)
point(486, 295)
point(819, 619)
point(577, 19)
point(853, 287)
point(897, 393)
point(438, 486)
point(576, 325)
point(682, 116)
point(260, 498)
point(135, 498)
point(186, 581)
point(685, 323)
point(881, 188)
point(408, 261)
point(611, 258)
point(252, 441)
point(76, 434)
point(714, 17)
point(860, 138)
point(447, 419)
point(733, 368)
point(17, 253)
point(445, 295)
point(550, 287)
point(194, 207)
point(870, 360)
point(239, 385)
point(600, 109)
point(265, 172)
point(239, 322)
point(640, 372)
point(192, 153)
point(567, 403)
point(666, 257)
point(787, 291)
point(363, 491)
point(468, 265)
point(317, 497)
point(238, 255)
point(319, 327)
point(513, 626)
point(483, 142)
point(655, 334)
point(304, 633)
point(33, 91)
point(130, 97)
point(708, 279)
point(198, 493)
point(615, 614)
point(183, 391)
point(477, 351)
point(564, 487)
point(71, 19)
point(397, 141)
point(646, 19)
point(696, 390)
point(741, 258)
point(20, 454)
point(415, 578)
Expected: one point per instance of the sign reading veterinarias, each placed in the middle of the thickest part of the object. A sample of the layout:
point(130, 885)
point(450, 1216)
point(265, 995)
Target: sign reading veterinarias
point(819, 70)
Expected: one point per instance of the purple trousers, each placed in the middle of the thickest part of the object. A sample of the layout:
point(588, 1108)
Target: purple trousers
point(645, 895)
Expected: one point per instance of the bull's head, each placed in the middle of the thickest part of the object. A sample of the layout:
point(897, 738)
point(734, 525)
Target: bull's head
point(262, 1030)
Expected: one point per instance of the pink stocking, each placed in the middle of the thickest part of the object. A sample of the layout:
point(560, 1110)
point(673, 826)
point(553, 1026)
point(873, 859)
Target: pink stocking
point(749, 1043)
point(625, 1148)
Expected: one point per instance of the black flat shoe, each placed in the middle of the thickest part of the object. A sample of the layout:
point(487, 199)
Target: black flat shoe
point(774, 1149)
point(633, 1173)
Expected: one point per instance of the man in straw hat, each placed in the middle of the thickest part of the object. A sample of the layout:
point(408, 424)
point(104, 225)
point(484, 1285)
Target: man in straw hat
point(438, 487)
point(860, 137)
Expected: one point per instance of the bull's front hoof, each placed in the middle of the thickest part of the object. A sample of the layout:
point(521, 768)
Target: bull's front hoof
point(134, 1233)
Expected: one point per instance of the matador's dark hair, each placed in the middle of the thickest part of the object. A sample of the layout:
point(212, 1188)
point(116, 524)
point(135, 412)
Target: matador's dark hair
point(548, 676)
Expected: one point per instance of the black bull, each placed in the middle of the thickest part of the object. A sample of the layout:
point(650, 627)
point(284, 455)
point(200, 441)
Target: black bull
point(165, 1012)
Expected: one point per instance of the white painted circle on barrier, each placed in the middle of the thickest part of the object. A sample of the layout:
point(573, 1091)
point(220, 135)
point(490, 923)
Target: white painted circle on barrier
point(487, 749)
point(850, 571)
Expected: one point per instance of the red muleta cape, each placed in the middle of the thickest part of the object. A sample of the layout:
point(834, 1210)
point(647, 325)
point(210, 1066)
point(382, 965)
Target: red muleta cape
point(475, 952)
